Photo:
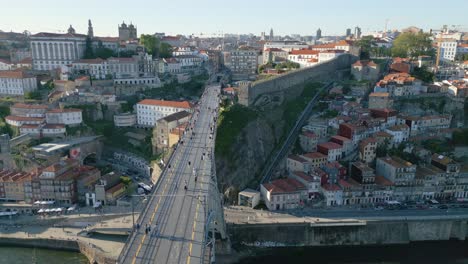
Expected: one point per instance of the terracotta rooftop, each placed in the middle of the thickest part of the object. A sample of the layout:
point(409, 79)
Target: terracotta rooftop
point(304, 52)
point(330, 145)
point(297, 158)
point(176, 104)
point(314, 155)
point(17, 74)
point(64, 110)
point(284, 186)
point(29, 106)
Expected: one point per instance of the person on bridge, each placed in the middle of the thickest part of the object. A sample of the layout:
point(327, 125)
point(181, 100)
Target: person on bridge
point(185, 187)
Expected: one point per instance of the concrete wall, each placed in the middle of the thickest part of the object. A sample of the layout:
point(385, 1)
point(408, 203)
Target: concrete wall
point(249, 93)
point(371, 233)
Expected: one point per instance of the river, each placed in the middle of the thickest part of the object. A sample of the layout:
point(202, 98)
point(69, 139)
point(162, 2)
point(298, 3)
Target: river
point(20, 255)
point(447, 252)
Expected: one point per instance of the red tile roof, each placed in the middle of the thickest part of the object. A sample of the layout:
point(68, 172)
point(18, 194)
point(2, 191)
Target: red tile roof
point(29, 106)
point(304, 176)
point(304, 52)
point(297, 158)
point(329, 145)
point(64, 110)
point(17, 74)
point(183, 104)
point(283, 186)
point(23, 118)
point(381, 180)
point(314, 155)
point(364, 63)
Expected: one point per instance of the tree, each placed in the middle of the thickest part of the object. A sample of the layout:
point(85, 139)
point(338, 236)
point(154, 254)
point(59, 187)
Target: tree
point(423, 74)
point(104, 53)
point(89, 52)
point(366, 43)
point(412, 45)
point(35, 95)
point(150, 43)
point(165, 50)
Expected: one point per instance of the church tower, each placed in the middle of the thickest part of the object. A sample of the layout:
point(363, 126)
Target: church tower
point(90, 29)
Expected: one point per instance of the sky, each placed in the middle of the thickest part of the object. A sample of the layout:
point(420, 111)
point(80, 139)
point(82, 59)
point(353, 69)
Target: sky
point(240, 16)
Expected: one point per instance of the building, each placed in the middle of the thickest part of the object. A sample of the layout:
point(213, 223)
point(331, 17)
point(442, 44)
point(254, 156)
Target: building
point(308, 141)
point(346, 144)
point(114, 193)
point(52, 50)
point(18, 121)
point(125, 120)
point(66, 116)
point(297, 163)
point(161, 132)
point(362, 173)
point(57, 183)
point(333, 194)
point(28, 110)
point(149, 110)
point(127, 32)
point(400, 133)
point(44, 130)
point(400, 84)
point(312, 183)
point(327, 55)
point(283, 194)
point(396, 170)
point(13, 184)
point(445, 163)
point(367, 150)
point(419, 125)
point(333, 151)
point(321, 130)
point(316, 159)
point(274, 55)
point(448, 49)
point(380, 100)
point(17, 83)
point(304, 57)
point(243, 63)
point(112, 68)
point(249, 198)
point(365, 70)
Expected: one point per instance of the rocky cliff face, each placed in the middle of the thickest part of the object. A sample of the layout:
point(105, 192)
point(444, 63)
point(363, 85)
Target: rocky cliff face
point(249, 153)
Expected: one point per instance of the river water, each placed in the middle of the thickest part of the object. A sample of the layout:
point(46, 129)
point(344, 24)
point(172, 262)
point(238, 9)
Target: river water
point(20, 255)
point(447, 252)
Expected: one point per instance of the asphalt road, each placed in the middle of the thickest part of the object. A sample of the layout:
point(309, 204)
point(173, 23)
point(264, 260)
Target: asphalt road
point(177, 216)
point(249, 215)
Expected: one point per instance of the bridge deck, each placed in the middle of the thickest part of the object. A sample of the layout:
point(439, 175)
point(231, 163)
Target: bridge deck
point(177, 217)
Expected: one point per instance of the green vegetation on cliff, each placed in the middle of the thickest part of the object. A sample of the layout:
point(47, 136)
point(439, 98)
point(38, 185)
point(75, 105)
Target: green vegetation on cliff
point(231, 121)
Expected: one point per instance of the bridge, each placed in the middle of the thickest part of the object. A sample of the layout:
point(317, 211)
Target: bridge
point(183, 221)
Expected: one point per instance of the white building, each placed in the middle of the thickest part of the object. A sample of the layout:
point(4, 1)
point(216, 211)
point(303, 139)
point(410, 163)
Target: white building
point(5, 65)
point(169, 65)
point(332, 194)
point(125, 120)
point(400, 133)
point(142, 81)
point(305, 57)
point(448, 49)
point(18, 121)
point(297, 163)
point(185, 50)
point(329, 55)
point(283, 194)
point(50, 50)
point(16, 83)
point(149, 110)
point(66, 116)
point(112, 68)
point(46, 130)
point(285, 45)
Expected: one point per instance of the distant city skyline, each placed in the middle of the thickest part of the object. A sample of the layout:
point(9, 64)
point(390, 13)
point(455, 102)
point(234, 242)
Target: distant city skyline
point(240, 17)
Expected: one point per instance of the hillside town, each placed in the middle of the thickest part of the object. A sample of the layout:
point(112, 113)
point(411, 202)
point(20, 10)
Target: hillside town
point(92, 121)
